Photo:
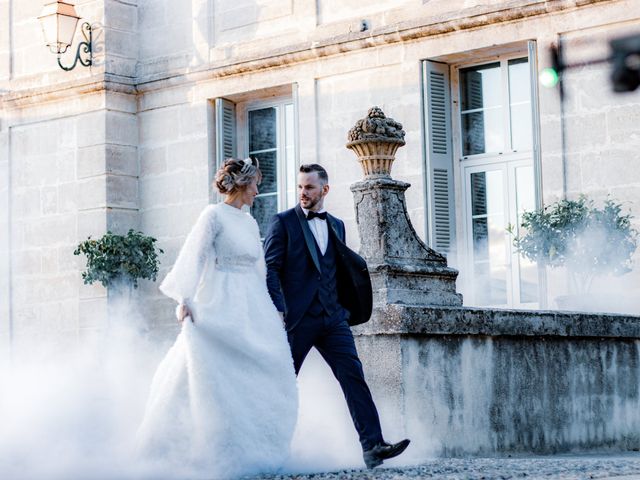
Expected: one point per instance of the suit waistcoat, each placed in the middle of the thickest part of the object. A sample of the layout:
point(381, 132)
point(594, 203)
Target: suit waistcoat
point(326, 298)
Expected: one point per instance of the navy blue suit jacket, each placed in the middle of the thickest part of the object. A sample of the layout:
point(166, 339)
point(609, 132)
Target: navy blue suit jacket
point(293, 266)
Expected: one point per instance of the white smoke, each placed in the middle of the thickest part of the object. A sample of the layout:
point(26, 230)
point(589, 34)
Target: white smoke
point(572, 287)
point(595, 289)
point(75, 415)
point(325, 438)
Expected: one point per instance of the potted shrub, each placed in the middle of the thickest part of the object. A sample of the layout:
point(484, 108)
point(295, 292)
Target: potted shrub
point(120, 260)
point(587, 240)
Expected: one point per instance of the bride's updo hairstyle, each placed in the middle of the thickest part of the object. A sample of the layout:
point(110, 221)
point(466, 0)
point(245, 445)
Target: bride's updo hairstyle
point(235, 174)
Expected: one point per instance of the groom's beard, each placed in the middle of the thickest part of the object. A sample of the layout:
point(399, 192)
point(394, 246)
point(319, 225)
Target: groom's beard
point(310, 202)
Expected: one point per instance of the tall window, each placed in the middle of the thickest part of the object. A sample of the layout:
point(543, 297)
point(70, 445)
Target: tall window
point(270, 139)
point(264, 130)
point(483, 137)
point(496, 140)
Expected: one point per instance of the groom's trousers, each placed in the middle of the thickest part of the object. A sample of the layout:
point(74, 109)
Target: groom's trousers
point(332, 337)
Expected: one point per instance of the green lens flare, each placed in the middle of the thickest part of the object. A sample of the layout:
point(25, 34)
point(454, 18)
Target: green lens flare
point(549, 77)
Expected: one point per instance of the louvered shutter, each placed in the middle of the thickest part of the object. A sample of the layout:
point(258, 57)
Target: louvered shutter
point(439, 156)
point(225, 130)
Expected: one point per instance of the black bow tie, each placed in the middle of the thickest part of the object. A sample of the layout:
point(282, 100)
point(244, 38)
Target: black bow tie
point(311, 215)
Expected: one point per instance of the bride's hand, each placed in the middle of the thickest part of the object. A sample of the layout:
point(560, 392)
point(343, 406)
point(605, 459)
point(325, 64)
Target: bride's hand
point(183, 312)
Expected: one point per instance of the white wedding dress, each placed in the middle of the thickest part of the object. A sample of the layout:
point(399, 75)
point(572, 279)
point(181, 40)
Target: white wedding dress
point(224, 400)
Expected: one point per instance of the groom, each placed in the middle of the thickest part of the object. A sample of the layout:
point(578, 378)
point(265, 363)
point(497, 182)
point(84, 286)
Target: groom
point(303, 274)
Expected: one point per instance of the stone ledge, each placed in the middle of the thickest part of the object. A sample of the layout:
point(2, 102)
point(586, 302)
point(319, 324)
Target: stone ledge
point(15, 99)
point(399, 319)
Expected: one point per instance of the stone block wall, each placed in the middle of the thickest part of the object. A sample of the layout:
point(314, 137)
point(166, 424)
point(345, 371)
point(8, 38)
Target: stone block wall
point(174, 186)
point(473, 395)
point(461, 381)
point(68, 177)
point(120, 37)
point(108, 189)
point(43, 230)
point(70, 170)
point(166, 28)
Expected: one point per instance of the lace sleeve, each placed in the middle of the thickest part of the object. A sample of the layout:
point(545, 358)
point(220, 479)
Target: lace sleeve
point(182, 281)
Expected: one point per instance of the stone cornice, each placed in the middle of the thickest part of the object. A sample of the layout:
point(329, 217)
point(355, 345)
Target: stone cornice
point(405, 31)
point(476, 17)
point(51, 93)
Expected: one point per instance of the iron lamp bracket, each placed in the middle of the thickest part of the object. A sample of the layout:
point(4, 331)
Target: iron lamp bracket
point(84, 54)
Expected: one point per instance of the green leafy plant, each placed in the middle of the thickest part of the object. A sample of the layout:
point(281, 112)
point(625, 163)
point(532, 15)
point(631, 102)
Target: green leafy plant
point(587, 240)
point(120, 257)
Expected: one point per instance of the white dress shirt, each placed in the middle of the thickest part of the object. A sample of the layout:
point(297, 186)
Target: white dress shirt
point(319, 229)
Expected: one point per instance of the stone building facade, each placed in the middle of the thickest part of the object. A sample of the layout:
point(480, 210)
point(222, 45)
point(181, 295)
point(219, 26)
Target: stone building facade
point(176, 86)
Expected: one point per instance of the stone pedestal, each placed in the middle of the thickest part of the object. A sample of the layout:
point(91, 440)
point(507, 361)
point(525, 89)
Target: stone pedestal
point(403, 269)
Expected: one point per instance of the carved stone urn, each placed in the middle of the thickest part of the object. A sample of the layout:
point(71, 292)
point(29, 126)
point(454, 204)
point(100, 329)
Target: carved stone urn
point(404, 270)
point(375, 140)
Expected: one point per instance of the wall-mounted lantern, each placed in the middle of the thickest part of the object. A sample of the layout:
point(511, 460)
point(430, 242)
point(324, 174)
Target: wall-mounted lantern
point(59, 21)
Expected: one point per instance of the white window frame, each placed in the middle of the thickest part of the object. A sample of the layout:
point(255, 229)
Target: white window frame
point(508, 168)
point(284, 186)
point(506, 124)
point(464, 165)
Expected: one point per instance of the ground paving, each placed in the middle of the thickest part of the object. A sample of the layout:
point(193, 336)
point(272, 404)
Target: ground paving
point(619, 467)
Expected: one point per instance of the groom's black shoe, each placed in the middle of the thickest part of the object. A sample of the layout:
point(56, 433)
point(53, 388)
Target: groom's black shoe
point(383, 451)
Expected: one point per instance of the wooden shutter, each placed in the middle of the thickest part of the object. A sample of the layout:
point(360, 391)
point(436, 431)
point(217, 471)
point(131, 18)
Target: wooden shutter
point(440, 196)
point(225, 130)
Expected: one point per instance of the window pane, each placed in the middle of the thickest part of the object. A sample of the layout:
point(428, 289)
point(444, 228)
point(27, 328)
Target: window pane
point(481, 109)
point(521, 135)
point(262, 129)
point(486, 193)
point(480, 239)
point(528, 281)
point(264, 207)
point(525, 201)
point(525, 190)
point(520, 104)
point(269, 168)
point(480, 87)
point(519, 81)
point(482, 132)
point(488, 235)
point(478, 194)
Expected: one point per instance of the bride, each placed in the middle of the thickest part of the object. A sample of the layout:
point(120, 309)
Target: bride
point(223, 400)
